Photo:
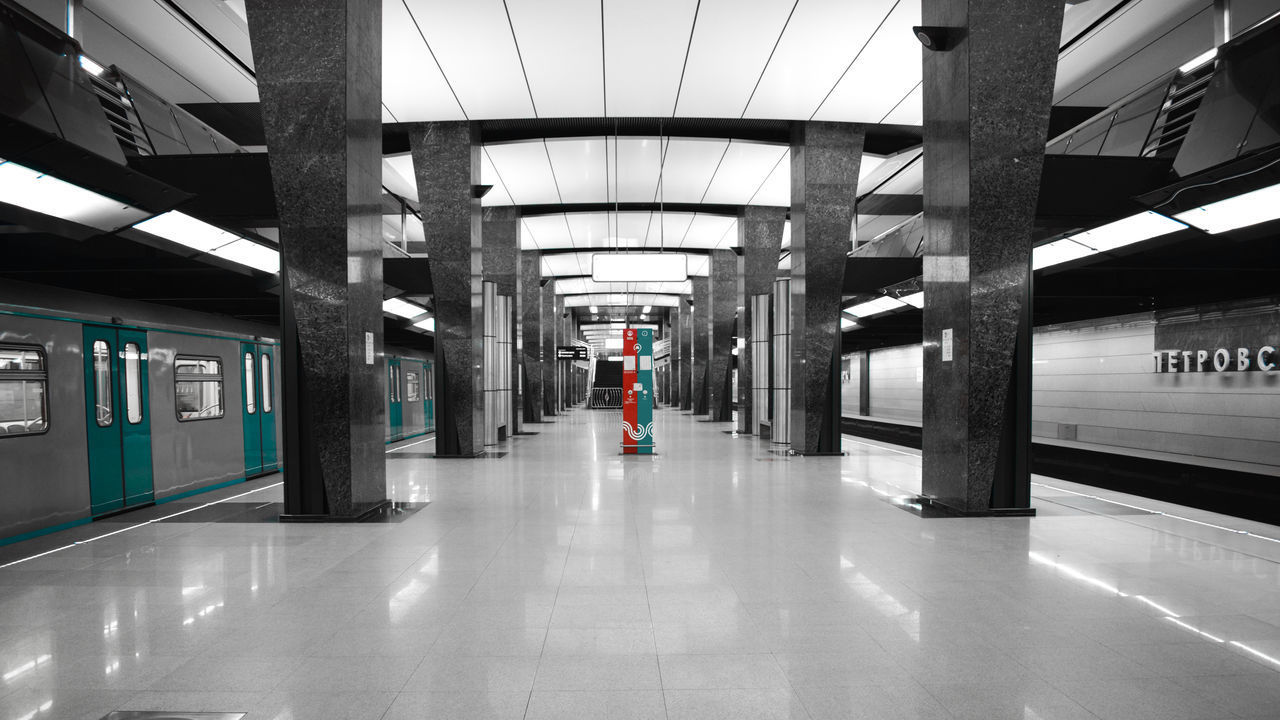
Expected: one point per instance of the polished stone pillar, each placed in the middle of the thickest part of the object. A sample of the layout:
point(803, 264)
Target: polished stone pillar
point(724, 308)
point(825, 158)
point(321, 114)
point(701, 342)
point(986, 120)
point(686, 356)
point(549, 362)
point(501, 266)
point(531, 334)
point(674, 331)
point(563, 367)
point(446, 164)
point(760, 237)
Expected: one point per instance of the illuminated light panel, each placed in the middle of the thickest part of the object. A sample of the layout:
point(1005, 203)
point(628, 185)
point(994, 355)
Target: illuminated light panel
point(251, 254)
point(613, 343)
point(1240, 211)
point(594, 309)
point(36, 191)
point(185, 230)
point(1199, 60)
point(915, 300)
point(615, 358)
point(847, 324)
point(875, 307)
point(429, 324)
point(1058, 252)
point(1130, 230)
point(90, 66)
point(402, 308)
point(647, 309)
point(639, 267)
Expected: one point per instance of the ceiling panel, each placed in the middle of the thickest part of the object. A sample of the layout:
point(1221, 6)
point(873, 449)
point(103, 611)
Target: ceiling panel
point(412, 86)
point(524, 170)
point(731, 45)
point(600, 230)
point(639, 299)
point(644, 53)
point(156, 46)
point(472, 41)
point(887, 69)
point(562, 55)
point(579, 165)
point(580, 263)
point(743, 170)
point(578, 286)
point(689, 168)
point(872, 226)
point(910, 111)
point(820, 41)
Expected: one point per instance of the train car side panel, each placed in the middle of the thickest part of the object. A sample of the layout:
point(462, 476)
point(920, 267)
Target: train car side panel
point(44, 477)
point(201, 451)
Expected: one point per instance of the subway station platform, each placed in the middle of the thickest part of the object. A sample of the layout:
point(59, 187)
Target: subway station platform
point(716, 580)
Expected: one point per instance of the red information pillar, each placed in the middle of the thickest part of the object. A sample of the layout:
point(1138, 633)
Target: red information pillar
point(630, 350)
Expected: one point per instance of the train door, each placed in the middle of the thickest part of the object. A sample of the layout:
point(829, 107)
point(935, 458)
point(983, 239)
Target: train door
point(395, 414)
point(118, 421)
point(258, 408)
point(428, 397)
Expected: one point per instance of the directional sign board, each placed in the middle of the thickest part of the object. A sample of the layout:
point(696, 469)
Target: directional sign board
point(571, 352)
point(637, 395)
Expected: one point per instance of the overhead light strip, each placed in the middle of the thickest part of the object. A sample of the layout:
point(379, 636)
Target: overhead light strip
point(180, 228)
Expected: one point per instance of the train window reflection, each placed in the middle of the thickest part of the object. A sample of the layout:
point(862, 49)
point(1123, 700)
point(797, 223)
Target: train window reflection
point(133, 383)
point(268, 387)
point(250, 396)
point(23, 384)
point(102, 391)
point(198, 388)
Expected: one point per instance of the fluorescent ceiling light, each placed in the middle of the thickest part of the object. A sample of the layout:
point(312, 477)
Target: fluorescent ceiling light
point(1240, 211)
point(33, 190)
point(429, 324)
point(185, 230)
point(404, 309)
point(1198, 61)
point(615, 358)
point(1130, 230)
point(915, 300)
point(1058, 252)
point(847, 324)
point(639, 267)
point(247, 252)
point(90, 66)
point(647, 309)
point(613, 343)
point(594, 309)
point(644, 317)
point(875, 307)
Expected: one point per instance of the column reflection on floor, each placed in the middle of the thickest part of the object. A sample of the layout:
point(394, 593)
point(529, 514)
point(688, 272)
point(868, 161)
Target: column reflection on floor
point(717, 579)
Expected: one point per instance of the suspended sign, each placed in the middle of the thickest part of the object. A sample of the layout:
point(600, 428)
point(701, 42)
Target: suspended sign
point(637, 395)
point(571, 352)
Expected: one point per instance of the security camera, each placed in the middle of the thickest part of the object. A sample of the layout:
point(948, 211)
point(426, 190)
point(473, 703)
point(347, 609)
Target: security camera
point(935, 37)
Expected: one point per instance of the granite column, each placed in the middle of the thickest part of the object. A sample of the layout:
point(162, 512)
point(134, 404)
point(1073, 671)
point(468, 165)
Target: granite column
point(446, 164)
point(760, 237)
point(686, 356)
point(701, 333)
point(531, 350)
point(825, 159)
point(549, 361)
point(987, 97)
point(321, 114)
point(501, 266)
point(724, 307)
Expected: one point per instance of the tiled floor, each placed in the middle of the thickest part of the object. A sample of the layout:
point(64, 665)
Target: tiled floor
point(715, 581)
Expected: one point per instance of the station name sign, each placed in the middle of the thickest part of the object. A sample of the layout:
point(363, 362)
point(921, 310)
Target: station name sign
point(571, 352)
point(1263, 359)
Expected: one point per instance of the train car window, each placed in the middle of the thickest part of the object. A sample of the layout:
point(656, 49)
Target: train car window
point(411, 379)
point(102, 392)
point(268, 387)
point(132, 383)
point(24, 379)
point(250, 397)
point(198, 388)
